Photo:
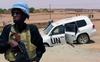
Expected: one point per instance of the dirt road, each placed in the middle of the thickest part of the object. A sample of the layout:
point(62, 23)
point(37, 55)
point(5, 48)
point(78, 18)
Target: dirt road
point(89, 52)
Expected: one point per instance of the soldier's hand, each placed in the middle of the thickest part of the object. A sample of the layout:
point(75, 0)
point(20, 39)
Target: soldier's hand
point(13, 44)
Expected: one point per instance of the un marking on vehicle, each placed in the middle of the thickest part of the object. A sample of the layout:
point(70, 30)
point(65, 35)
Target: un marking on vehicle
point(55, 40)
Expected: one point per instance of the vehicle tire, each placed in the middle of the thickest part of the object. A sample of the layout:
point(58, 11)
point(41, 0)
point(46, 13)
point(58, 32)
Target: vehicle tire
point(46, 45)
point(82, 39)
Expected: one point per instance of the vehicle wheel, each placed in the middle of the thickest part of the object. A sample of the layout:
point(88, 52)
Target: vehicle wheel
point(46, 45)
point(82, 39)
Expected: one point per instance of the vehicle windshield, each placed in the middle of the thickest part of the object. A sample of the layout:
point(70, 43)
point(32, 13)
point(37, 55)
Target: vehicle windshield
point(47, 29)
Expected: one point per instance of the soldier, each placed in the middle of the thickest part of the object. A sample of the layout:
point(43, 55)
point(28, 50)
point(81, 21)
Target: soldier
point(28, 34)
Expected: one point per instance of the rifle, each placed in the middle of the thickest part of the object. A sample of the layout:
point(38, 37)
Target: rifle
point(23, 51)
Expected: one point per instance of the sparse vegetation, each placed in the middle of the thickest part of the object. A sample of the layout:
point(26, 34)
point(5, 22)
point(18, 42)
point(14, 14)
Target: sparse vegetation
point(9, 9)
point(31, 9)
point(45, 9)
point(98, 10)
point(1, 10)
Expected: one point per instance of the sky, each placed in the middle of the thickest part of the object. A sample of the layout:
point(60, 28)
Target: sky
point(55, 4)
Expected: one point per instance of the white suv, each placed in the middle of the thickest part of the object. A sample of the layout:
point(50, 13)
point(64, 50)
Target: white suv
point(79, 28)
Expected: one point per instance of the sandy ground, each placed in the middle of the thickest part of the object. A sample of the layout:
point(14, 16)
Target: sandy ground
point(89, 52)
point(38, 18)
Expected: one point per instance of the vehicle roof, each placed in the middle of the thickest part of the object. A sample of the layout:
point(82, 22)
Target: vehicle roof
point(71, 19)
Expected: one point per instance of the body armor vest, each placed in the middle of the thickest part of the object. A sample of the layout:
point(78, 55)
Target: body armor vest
point(25, 37)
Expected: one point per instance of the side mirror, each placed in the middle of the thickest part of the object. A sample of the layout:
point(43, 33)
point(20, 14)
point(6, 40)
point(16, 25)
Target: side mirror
point(50, 22)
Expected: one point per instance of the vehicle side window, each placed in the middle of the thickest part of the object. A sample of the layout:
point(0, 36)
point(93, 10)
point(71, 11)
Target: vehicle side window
point(70, 27)
point(58, 30)
point(81, 23)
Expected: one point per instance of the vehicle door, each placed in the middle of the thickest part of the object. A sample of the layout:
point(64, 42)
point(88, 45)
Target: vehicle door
point(70, 31)
point(58, 36)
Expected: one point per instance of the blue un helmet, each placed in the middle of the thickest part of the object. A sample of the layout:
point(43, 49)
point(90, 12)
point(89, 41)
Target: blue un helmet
point(21, 5)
